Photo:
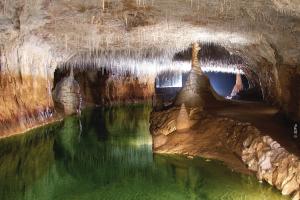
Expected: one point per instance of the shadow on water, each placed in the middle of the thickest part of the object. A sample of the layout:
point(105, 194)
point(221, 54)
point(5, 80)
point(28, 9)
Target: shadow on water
point(110, 157)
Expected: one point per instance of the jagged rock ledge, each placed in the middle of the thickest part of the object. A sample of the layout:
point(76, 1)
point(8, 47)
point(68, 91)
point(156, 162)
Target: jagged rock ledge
point(239, 145)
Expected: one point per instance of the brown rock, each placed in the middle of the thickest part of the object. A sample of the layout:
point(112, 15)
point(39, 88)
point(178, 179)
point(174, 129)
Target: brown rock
point(282, 173)
point(197, 91)
point(296, 196)
point(290, 186)
point(183, 122)
point(67, 95)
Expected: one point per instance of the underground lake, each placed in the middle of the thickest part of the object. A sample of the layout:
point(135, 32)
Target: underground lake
point(106, 153)
point(149, 99)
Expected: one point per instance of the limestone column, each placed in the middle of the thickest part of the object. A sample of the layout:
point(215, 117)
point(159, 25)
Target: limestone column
point(196, 91)
point(195, 60)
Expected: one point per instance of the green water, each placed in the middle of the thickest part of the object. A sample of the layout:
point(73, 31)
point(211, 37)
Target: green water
point(109, 156)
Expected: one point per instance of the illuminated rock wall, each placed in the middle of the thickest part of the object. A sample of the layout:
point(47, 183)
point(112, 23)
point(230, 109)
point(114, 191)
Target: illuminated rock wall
point(106, 89)
point(25, 101)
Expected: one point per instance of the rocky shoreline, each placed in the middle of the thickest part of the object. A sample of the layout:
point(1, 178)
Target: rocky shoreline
point(191, 126)
point(241, 146)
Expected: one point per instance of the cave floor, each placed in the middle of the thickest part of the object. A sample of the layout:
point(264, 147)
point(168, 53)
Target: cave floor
point(264, 117)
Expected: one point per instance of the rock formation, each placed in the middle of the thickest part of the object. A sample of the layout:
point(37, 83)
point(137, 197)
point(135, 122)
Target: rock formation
point(238, 87)
point(273, 163)
point(197, 91)
point(25, 101)
point(221, 138)
point(183, 122)
point(195, 60)
point(236, 143)
point(67, 95)
point(104, 88)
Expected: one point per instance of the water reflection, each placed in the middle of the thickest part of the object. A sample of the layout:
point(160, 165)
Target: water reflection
point(111, 158)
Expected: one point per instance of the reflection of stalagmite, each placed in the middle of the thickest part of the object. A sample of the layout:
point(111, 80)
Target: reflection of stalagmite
point(183, 121)
point(197, 91)
point(238, 86)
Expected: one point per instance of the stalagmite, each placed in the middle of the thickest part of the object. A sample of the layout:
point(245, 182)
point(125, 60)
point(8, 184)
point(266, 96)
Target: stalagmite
point(238, 86)
point(67, 95)
point(195, 60)
point(183, 122)
point(197, 91)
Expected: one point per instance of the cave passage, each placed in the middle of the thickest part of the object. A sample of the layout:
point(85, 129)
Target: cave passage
point(224, 70)
point(110, 147)
point(223, 83)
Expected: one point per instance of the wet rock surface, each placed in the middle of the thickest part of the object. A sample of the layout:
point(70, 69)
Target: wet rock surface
point(25, 102)
point(274, 164)
point(240, 145)
point(67, 95)
point(102, 88)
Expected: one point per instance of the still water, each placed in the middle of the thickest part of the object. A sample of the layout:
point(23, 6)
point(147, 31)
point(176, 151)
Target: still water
point(106, 154)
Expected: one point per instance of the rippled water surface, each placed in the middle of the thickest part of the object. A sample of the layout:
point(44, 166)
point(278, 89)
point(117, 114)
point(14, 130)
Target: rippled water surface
point(106, 154)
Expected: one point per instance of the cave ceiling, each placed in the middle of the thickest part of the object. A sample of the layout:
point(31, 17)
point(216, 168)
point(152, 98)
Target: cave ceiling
point(75, 30)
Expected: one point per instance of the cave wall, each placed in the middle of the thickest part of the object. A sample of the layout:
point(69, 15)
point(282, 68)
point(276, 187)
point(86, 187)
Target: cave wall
point(289, 79)
point(101, 87)
point(26, 100)
point(278, 78)
point(25, 85)
point(108, 89)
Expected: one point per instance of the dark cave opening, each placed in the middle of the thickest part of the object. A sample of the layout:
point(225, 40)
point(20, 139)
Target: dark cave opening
point(223, 83)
